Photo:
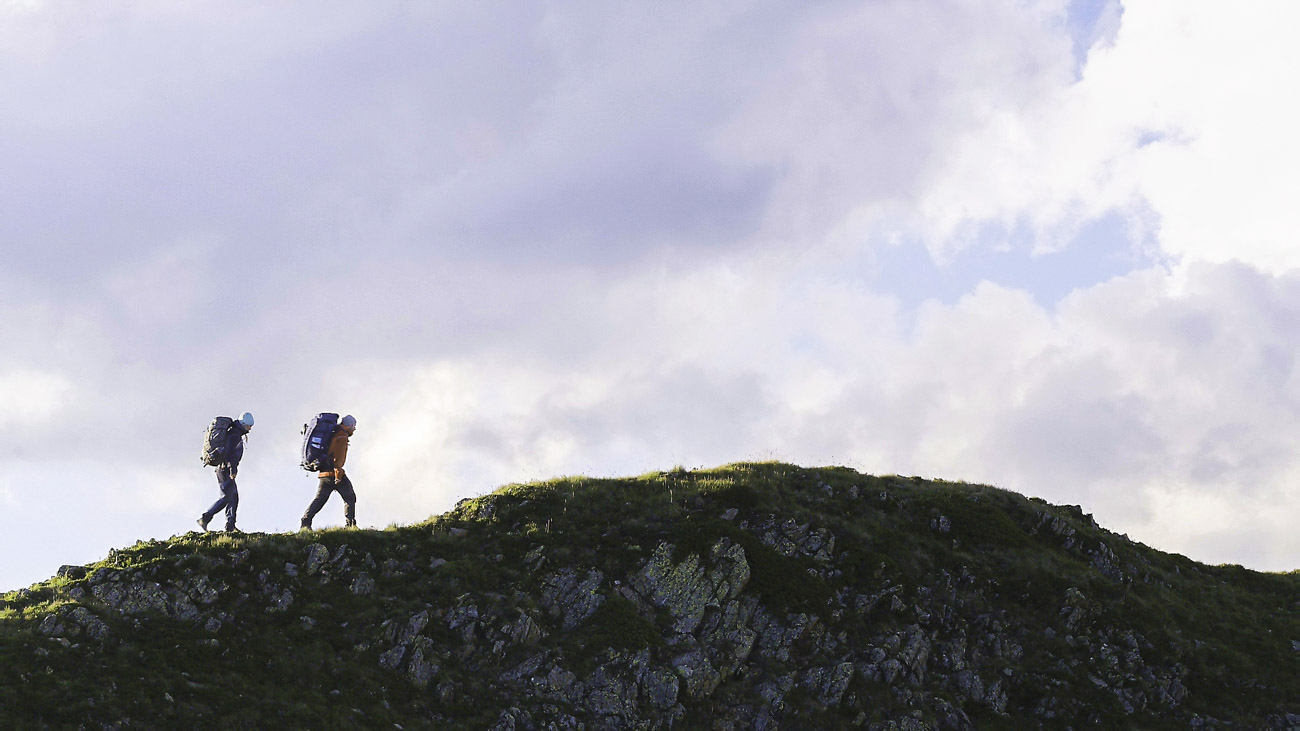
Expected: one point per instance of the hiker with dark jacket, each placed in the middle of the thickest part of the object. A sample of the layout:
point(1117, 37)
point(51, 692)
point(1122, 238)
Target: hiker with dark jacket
point(226, 472)
point(336, 479)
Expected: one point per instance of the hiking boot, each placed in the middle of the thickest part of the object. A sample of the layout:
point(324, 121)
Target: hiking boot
point(203, 523)
point(304, 526)
point(233, 529)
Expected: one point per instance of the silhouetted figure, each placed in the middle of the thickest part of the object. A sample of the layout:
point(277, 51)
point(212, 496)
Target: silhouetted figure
point(224, 451)
point(336, 480)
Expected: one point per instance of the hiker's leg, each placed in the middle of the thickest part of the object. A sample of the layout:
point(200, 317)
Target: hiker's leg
point(349, 501)
point(216, 508)
point(232, 503)
point(323, 490)
point(221, 501)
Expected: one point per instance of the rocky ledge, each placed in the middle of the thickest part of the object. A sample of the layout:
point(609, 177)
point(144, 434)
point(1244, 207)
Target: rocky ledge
point(879, 603)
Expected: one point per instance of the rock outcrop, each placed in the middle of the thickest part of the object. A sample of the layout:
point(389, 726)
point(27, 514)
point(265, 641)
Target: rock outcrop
point(755, 596)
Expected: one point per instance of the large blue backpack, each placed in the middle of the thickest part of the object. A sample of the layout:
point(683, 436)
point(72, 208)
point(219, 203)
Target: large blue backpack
point(218, 441)
point(316, 442)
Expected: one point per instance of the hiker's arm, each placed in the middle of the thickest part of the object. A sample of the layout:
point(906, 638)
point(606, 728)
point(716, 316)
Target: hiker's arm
point(339, 453)
point(236, 454)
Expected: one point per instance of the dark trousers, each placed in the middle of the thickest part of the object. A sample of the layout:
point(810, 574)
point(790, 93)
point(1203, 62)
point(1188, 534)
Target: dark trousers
point(328, 485)
point(229, 498)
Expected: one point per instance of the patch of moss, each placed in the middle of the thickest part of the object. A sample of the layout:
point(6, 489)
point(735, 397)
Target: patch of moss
point(731, 494)
point(975, 519)
point(785, 583)
point(616, 624)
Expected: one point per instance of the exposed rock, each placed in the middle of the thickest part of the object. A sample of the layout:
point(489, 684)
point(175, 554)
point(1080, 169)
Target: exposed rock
point(133, 598)
point(1077, 609)
point(92, 625)
point(792, 538)
point(525, 630)
point(776, 638)
point(698, 675)
point(282, 602)
point(915, 651)
point(414, 627)
point(421, 668)
point(51, 626)
point(729, 635)
point(362, 584)
point(391, 659)
point(828, 684)
point(340, 555)
point(970, 685)
point(687, 588)
point(565, 595)
point(609, 697)
point(659, 688)
point(71, 572)
point(317, 556)
point(1107, 562)
point(535, 558)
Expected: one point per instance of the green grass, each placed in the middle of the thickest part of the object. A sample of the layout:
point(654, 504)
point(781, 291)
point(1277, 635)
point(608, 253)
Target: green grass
point(1229, 628)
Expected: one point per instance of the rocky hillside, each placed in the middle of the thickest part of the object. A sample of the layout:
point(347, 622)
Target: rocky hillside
point(749, 596)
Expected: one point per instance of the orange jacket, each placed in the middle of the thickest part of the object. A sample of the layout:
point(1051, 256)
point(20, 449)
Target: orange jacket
point(338, 451)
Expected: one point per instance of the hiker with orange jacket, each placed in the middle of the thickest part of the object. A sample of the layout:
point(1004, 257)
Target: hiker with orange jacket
point(336, 479)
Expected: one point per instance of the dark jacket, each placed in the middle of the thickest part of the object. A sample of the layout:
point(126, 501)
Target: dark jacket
point(236, 452)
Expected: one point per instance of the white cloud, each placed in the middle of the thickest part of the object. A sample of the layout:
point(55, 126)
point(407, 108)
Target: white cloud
point(30, 397)
point(1179, 124)
point(1216, 526)
point(859, 113)
point(21, 7)
point(1223, 179)
point(646, 242)
point(1126, 390)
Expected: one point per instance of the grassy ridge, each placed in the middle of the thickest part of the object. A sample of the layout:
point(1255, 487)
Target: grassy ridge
point(316, 663)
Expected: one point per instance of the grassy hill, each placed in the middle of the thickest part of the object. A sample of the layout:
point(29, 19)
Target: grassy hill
point(747, 596)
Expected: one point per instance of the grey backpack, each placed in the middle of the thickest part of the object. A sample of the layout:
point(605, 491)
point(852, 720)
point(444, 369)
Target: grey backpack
point(218, 441)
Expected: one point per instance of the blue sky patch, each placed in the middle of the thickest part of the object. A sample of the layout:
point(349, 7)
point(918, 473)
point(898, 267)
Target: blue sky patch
point(1101, 251)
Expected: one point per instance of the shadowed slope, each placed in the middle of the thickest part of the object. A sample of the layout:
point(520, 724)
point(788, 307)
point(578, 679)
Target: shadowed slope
point(751, 595)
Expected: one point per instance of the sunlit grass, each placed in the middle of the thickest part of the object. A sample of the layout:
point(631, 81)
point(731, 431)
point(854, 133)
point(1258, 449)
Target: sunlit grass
point(884, 532)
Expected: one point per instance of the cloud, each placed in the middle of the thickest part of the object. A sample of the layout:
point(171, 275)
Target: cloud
point(1175, 123)
point(1155, 384)
point(518, 243)
point(1218, 167)
point(28, 398)
point(859, 113)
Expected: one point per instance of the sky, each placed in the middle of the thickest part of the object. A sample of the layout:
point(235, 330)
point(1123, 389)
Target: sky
point(1048, 245)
